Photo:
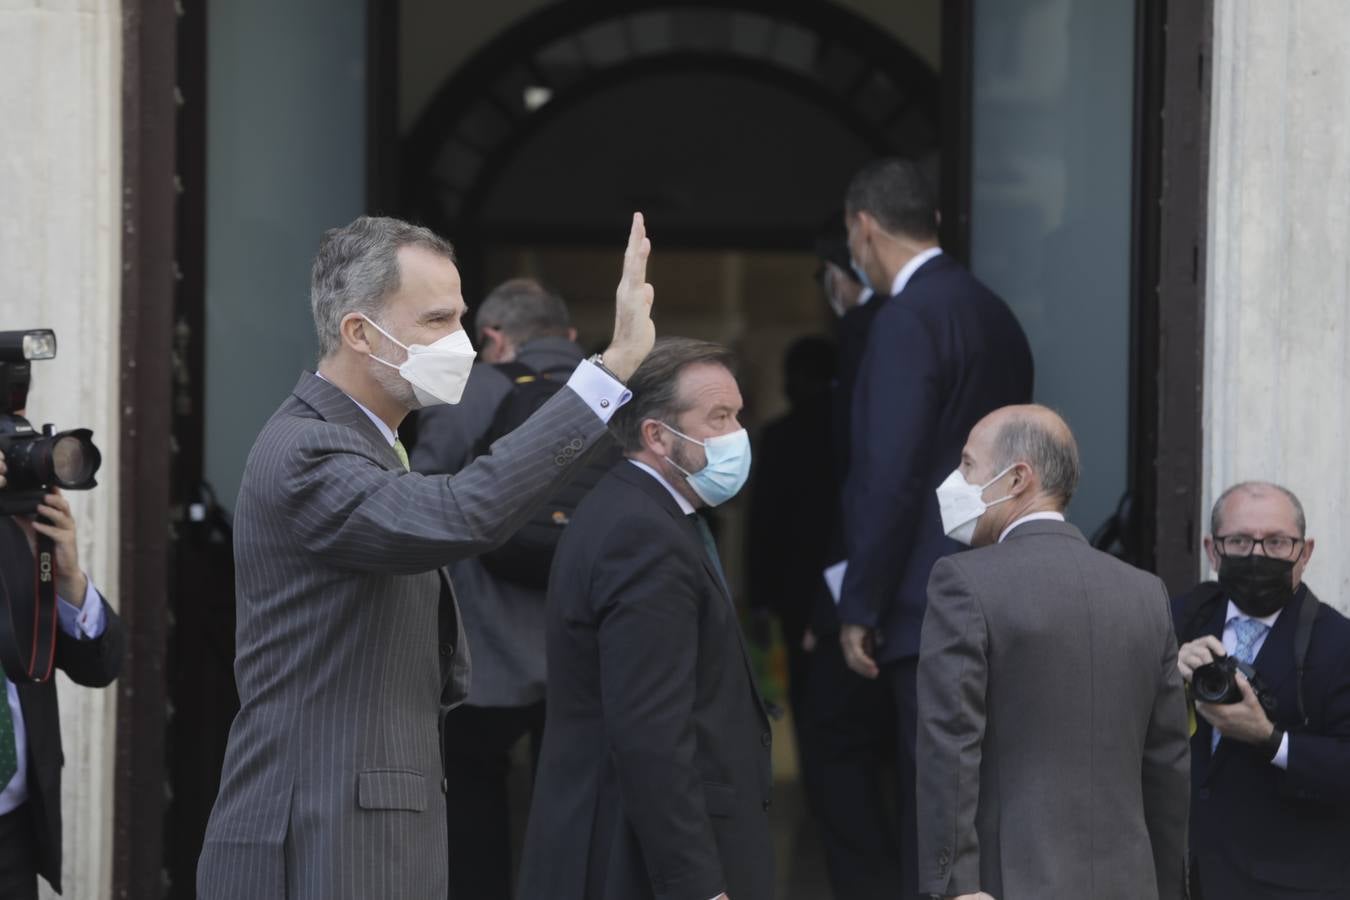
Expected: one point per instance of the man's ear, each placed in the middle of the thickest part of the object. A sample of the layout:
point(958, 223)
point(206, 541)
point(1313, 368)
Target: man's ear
point(653, 436)
point(1211, 553)
point(492, 345)
point(354, 333)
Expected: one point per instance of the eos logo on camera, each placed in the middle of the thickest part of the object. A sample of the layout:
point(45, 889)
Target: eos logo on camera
point(45, 567)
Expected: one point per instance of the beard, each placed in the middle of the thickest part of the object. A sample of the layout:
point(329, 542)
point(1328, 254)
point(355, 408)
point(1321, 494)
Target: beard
point(396, 386)
point(682, 454)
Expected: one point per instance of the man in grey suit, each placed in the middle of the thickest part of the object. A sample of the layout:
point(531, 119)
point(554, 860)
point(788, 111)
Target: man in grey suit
point(1052, 732)
point(349, 643)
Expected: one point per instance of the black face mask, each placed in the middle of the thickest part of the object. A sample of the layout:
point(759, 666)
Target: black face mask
point(1259, 585)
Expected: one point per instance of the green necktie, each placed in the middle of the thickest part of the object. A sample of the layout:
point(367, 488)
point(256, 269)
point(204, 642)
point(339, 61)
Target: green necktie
point(401, 454)
point(9, 752)
point(710, 547)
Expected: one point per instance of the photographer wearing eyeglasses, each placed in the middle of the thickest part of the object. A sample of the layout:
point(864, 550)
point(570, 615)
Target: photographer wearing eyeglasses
point(1268, 668)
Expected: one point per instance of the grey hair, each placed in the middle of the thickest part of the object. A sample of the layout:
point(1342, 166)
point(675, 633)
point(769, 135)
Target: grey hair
point(656, 386)
point(1051, 455)
point(1256, 487)
point(356, 269)
point(524, 310)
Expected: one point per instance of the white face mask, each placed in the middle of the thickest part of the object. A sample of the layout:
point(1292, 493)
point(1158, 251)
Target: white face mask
point(437, 372)
point(962, 504)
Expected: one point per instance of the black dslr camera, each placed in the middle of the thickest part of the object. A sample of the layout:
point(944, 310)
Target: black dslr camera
point(1216, 682)
point(36, 461)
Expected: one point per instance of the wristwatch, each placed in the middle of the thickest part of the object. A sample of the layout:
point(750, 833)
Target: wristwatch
point(598, 360)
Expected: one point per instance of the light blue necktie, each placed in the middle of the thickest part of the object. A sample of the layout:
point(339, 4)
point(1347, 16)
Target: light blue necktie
point(1247, 634)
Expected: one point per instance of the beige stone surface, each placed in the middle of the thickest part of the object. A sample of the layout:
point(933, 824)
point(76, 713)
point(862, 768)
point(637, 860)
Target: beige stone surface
point(60, 174)
point(1277, 370)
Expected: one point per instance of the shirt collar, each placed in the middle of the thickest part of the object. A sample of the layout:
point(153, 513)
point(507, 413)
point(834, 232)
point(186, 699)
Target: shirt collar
point(904, 275)
point(379, 423)
point(1235, 613)
point(1048, 515)
point(685, 506)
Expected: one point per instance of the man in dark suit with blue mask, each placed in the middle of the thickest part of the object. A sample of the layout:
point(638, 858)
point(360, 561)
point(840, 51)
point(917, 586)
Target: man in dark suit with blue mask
point(942, 353)
point(654, 777)
point(1270, 761)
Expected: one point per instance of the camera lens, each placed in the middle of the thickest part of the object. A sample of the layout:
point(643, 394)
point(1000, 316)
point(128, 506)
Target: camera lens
point(71, 462)
point(1209, 683)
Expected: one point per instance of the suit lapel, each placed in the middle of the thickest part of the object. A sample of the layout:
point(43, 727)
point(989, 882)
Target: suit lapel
point(1275, 661)
point(333, 405)
point(630, 473)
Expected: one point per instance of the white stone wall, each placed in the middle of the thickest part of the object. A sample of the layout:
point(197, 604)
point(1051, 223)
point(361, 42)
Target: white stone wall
point(60, 175)
point(1277, 318)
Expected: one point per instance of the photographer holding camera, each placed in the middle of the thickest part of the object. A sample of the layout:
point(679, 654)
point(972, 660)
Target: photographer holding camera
point(51, 617)
point(1268, 667)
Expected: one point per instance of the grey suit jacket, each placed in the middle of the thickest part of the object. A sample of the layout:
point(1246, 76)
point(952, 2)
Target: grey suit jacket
point(1052, 735)
point(349, 646)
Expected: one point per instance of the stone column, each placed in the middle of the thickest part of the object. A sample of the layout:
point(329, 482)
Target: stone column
point(1277, 318)
point(60, 172)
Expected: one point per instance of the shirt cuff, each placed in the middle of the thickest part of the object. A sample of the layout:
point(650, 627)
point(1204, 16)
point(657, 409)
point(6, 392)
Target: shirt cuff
point(1281, 757)
point(86, 622)
point(602, 393)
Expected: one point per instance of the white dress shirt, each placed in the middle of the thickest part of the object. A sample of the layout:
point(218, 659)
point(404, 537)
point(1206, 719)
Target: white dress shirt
point(1048, 516)
point(602, 393)
point(1230, 618)
point(905, 274)
point(685, 506)
point(85, 623)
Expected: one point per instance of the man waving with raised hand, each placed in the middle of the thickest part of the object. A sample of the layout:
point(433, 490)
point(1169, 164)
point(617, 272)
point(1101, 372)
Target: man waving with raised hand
point(349, 643)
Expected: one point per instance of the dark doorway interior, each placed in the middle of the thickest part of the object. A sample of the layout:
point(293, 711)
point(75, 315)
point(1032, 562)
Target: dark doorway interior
point(734, 126)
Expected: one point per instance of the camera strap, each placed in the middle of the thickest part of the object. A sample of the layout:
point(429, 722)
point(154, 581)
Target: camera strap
point(28, 621)
point(1307, 614)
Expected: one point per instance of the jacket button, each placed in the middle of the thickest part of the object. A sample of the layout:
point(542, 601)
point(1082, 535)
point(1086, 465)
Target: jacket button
point(576, 444)
point(1204, 793)
point(445, 785)
point(447, 649)
point(766, 739)
point(767, 804)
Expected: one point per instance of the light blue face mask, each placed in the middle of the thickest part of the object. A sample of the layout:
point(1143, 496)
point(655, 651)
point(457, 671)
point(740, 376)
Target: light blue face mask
point(726, 470)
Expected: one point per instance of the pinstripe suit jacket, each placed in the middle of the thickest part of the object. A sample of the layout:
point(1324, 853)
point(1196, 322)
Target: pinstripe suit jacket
point(349, 646)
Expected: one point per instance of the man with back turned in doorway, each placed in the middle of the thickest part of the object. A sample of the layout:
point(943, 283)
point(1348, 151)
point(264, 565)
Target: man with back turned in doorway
point(942, 352)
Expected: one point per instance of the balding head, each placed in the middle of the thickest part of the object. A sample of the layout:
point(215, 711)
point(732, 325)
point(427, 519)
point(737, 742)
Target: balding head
point(1260, 490)
point(1026, 459)
point(1260, 510)
point(1039, 437)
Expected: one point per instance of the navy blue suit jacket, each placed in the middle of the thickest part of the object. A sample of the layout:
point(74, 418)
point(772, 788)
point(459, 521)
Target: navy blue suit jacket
point(1258, 830)
point(941, 355)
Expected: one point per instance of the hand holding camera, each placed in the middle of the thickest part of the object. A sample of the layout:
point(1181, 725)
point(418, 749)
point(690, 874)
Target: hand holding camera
point(34, 465)
point(1229, 694)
